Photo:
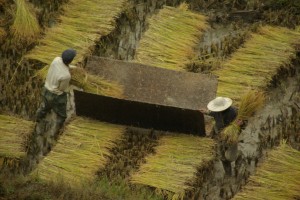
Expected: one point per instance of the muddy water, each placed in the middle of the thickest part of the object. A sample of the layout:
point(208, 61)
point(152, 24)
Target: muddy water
point(216, 39)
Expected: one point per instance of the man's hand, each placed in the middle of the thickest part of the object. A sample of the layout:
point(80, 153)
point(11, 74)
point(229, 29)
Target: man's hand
point(239, 122)
point(204, 111)
point(72, 66)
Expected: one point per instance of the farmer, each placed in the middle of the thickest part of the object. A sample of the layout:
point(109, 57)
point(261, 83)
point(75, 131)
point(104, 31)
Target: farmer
point(56, 87)
point(223, 113)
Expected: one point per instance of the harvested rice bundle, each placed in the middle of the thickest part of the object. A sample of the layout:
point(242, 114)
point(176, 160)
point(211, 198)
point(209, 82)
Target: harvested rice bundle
point(173, 33)
point(25, 27)
point(89, 83)
point(13, 134)
point(256, 64)
point(175, 162)
point(81, 25)
point(98, 85)
point(80, 152)
point(277, 178)
point(250, 102)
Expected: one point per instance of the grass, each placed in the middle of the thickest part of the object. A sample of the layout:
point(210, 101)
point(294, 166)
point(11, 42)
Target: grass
point(170, 40)
point(14, 132)
point(175, 162)
point(24, 188)
point(80, 152)
point(25, 27)
point(255, 65)
point(82, 24)
point(277, 178)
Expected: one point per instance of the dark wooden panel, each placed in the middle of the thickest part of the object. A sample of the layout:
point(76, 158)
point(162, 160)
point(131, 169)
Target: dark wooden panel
point(139, 114)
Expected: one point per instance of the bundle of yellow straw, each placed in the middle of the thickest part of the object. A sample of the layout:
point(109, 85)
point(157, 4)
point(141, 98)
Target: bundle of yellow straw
point(170, 40)
point(255, 64)
point(81, 151)
point(250, 102)
point(277, 178)
point(13, 134)
point(25, 27)
point(175, 162)
point(89, 83)
point(80, 26)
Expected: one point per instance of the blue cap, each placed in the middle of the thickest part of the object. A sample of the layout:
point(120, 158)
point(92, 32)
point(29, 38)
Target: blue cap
point(68, 55)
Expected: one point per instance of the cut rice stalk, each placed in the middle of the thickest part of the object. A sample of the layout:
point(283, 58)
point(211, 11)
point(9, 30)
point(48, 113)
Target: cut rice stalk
point(173, 33)
point(82, 150)
point(25, 27)
point(277, 178)
point(14, 133)
point(250, 103)
point(175, 162)
point(256, 64)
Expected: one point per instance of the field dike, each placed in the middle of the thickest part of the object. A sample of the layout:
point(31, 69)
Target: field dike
point(211, 171)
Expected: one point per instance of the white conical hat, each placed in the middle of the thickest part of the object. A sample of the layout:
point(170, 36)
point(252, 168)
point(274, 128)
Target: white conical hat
point(219, 104)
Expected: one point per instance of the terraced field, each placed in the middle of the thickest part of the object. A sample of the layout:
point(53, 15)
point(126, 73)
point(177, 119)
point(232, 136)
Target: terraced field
point(159, 164)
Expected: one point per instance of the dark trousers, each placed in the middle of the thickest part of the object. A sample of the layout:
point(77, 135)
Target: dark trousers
point(58, 103)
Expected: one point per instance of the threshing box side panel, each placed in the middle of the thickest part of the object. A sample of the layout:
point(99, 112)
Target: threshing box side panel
point(139, 114)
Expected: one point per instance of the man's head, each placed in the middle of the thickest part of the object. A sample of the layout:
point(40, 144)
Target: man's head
point(219, 104)
point(68, 56)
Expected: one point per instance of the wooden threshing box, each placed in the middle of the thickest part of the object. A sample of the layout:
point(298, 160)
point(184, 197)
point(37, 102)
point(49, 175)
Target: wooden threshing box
point(153, 97)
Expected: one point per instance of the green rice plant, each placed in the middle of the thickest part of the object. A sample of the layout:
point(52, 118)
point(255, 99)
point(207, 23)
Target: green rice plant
point(249, 103)
point(175, 162)
point(14, 132)
point(255, 64)
point(25, 27)
point(277, 178)
point(80, 152)
point(170, 40)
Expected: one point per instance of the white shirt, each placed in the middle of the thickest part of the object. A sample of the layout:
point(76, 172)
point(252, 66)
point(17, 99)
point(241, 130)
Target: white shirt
point(58, 77)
